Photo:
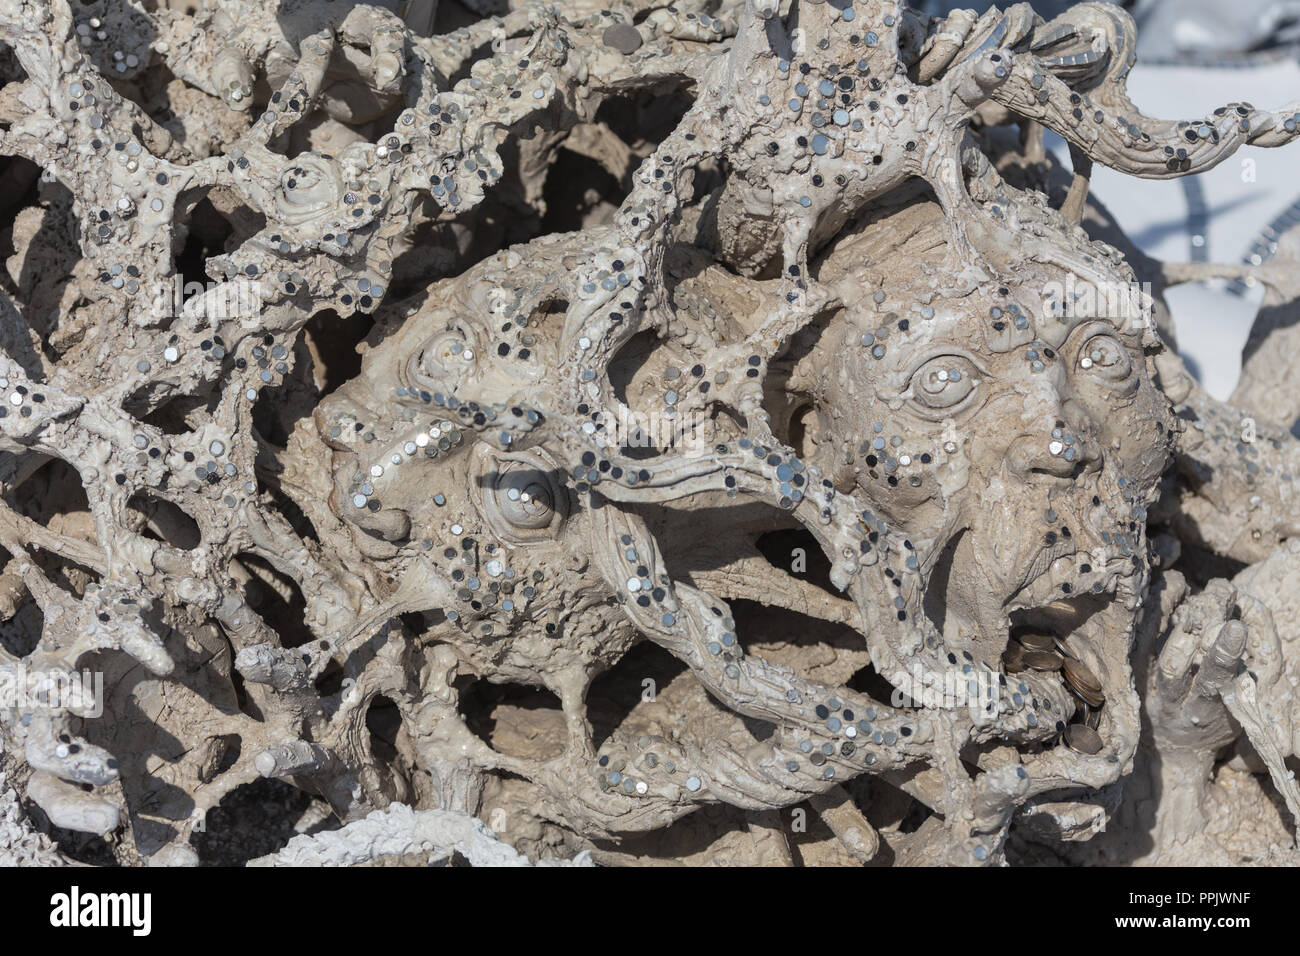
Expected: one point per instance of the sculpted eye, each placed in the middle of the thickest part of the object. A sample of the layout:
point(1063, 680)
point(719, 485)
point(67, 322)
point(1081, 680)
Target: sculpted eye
point(1106, 356)
point(305, 178)
point(518, 495)
point(447, 353)
point(308, 187)
point(944, 382)
point(525, 496)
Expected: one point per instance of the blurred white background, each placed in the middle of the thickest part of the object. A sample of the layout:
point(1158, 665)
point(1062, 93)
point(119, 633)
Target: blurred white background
point(1237, 201)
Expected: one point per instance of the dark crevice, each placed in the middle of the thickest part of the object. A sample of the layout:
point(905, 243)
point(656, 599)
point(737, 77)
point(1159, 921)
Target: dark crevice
point(333, 340)
point(20, 633)
point(283, 615)
point(254, 819)
point(165, 521)
point(795, 548)
point(579, 193)
point(617, 692)
point(514, 719)
point(384, 722)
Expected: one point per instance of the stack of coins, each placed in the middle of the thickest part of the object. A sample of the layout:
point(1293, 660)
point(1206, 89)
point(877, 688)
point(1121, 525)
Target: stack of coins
point(1031, 649)
point(1086, 687)
point(1083, 682)
point(1090, 716)
point(1044, 660)
point(1035, 640)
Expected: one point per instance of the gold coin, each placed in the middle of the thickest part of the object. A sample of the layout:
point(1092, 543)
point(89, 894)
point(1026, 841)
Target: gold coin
point(1013, 659)
point(1044, 660)
point(1082, 739)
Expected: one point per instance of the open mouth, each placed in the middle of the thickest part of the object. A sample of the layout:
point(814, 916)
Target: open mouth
point(1057, 638)
point(1055, 622)
point(1036, 635)
point(1058, 589)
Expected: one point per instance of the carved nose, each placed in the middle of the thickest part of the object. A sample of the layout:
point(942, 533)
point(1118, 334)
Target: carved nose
point(1061, 452)
point(1064, 445)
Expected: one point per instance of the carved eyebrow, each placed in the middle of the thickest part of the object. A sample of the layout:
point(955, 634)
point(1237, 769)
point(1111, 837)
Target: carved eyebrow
point(1120, 310)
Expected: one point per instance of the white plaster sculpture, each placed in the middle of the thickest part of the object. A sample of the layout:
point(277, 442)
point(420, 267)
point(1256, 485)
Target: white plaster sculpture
point(745, 428)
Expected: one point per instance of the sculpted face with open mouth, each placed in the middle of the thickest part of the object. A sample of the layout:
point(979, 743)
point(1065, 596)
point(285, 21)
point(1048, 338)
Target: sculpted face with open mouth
point(1015, 436)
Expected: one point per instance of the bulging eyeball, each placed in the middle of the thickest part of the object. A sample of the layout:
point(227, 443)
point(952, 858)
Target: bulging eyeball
point(232, 77)
point(309, 187)
point(992, 70)
point(518, 494)
point(445, 356)
point(525, 497)
point(944, 382)
point(1106, 356)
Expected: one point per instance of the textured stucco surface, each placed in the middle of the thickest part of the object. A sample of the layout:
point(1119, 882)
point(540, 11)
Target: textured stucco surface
point(711, 433)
